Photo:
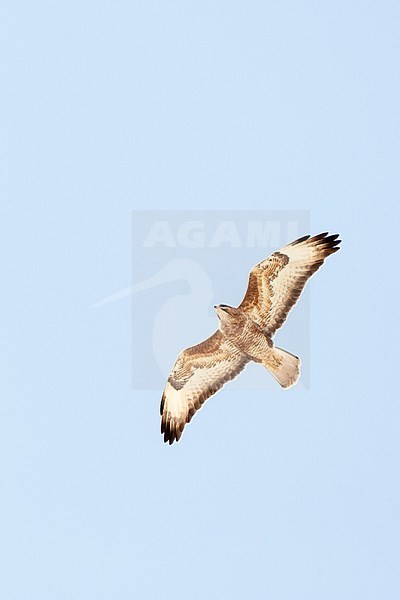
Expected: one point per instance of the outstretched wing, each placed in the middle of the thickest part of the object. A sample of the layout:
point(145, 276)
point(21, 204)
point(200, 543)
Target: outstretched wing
point(276, 283)
point(198, 373)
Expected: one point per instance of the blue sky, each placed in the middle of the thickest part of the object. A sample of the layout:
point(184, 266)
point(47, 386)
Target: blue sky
point(108, 107)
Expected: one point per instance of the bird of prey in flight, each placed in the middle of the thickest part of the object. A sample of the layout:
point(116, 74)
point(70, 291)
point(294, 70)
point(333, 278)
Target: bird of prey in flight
point(245, 333)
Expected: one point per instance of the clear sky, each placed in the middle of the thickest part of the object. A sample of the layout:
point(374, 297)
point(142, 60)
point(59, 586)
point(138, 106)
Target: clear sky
point(107, 107)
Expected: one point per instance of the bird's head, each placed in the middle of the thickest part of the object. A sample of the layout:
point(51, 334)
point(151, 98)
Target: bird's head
point(228, 316)
point(223, 310)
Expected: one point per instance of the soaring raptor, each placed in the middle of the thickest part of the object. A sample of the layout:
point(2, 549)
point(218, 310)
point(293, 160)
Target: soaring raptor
point(245, 333)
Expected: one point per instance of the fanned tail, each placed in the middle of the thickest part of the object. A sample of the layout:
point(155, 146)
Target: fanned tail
point(284, 366)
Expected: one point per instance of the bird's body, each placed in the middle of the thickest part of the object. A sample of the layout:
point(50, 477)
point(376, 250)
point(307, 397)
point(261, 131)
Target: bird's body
point(245, 333)
point(253, 343)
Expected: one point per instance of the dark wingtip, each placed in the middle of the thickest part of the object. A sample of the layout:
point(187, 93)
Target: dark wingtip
point(319, 236)
point(300, 240)
point(162, 404)
point(323, 240)
point(171, 429)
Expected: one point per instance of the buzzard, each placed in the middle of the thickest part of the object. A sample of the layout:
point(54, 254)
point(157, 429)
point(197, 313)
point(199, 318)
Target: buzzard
point(245, 333)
